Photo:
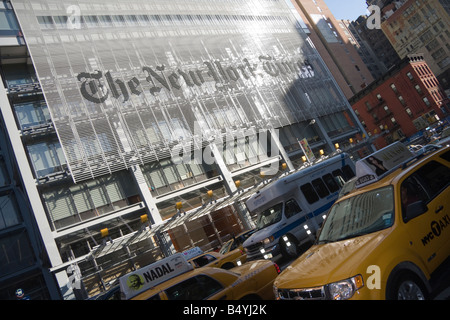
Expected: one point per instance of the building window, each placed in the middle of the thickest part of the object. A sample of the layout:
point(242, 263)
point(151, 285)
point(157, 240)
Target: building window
point(4, 177)
point(410, 76)
point(394, 88)
point(409, 112)
point(427, 102)
point(8, 21)
point(31, 114)
point(402, 101)
point(394, 122)
point(9, 213)
point(439, 54)
point(375, 116)
point(46, 158)
point(418, 89)
point(46, 22)
point(16, 253)
point(89, 199)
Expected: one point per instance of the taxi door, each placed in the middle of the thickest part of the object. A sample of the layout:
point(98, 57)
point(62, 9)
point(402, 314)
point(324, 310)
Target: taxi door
point(430, 231)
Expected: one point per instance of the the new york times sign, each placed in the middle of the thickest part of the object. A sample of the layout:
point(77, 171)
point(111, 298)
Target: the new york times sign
point(159, 77)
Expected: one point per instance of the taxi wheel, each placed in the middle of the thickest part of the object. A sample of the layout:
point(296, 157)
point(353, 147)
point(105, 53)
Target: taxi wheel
point(409, 287)
point(289, 248)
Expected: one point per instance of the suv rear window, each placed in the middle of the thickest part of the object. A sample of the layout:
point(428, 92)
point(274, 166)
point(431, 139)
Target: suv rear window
point(434, 176)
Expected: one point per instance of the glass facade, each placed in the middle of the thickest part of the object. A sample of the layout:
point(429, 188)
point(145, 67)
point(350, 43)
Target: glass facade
point(131, 80)
point(113, 88)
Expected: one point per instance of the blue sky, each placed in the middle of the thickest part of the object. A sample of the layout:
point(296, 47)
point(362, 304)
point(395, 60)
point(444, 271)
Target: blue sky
point(347, 9)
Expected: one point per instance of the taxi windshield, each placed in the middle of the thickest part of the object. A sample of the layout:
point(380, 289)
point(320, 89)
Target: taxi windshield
point(226, 247)
point(359, 215)
point(269, 216)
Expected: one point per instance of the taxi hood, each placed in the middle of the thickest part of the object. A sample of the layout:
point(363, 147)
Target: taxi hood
point(331, 262)
point(251, 266)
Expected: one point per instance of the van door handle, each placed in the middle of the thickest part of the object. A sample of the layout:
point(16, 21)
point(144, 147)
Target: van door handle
point(439, 209)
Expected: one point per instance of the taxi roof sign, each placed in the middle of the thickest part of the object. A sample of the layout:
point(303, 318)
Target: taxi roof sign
point(380, 163)
point(150, 276)
point(192, 253)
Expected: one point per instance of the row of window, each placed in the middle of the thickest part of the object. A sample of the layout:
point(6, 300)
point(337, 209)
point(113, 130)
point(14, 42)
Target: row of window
point(422, 70)
point(86, 200)
point(93, 21)
point(164, 176)
point(322, 187)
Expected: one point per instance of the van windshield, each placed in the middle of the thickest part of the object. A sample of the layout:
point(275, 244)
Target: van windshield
point(269, 216)
point(359, 215)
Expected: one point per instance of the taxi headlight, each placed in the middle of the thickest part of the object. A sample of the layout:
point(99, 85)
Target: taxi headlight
point(268, 240)
point(345, 289)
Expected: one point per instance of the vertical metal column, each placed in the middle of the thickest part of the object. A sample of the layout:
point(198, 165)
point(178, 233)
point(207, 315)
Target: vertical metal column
point(146, 195)
point(324, 134)
point(275, 136)
point(230, 186)
point(152, 209)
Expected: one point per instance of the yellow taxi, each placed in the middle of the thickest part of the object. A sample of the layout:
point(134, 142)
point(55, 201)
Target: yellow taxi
point(236, 242)
point(388, 239)
point(215, 259)
point(252, 280)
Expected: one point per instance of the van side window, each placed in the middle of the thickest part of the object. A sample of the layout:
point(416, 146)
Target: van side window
point(291, 208)
point(309, 193)
point(196, 288)
point(330, 182)
point(320, 188)
point(348, 172)
point(339, 176)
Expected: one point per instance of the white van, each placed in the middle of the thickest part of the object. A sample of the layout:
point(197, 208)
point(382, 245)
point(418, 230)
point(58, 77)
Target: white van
point(291, 209)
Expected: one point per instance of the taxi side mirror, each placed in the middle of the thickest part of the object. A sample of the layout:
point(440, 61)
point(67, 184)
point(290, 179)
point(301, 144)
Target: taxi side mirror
point(414, 210)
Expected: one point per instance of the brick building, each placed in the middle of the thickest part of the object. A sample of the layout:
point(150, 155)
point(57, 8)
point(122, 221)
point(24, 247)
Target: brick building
point(420, 27)
point(402, 103)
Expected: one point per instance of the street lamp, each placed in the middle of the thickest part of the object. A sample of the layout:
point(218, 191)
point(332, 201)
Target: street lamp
point(313, 121)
